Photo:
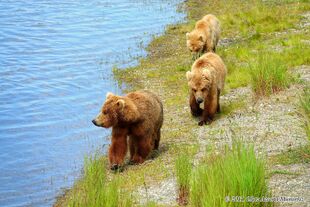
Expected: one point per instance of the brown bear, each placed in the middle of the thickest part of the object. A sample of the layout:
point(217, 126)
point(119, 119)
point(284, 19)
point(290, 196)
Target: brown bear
point(206, 81)
point(205, 36)
point(138, 116)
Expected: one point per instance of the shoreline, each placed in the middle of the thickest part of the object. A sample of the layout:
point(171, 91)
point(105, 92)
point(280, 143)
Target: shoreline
point(163, 72)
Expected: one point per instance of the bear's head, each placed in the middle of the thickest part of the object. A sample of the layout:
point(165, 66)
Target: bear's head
point(194, 41)
point(116, 110)
point(199, 83)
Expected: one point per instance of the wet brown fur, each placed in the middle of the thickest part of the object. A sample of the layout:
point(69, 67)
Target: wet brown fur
point(138, 117)
point(206, 81)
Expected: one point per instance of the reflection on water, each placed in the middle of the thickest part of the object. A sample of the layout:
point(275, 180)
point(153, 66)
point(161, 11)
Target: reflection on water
point(55, 68)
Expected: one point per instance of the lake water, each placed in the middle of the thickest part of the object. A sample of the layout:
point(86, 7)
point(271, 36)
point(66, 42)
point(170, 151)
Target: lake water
point(55, 69)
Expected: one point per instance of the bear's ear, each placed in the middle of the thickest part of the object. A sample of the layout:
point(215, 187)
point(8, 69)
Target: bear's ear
point(206, 74)
point(109, 95)
point(189, 75)
point(199, 62)
point(187, 35)
point(120, 103)
point(200, 38)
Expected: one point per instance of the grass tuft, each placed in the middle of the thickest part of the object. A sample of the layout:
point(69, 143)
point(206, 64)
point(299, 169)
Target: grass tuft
point(293, 156)
point(95, 190)
point(282, 172)
point(237, 173)
point(269, 75)
point(183, 168)
point(305, 106)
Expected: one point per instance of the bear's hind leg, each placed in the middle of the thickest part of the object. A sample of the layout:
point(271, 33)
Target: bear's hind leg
point(157, 139)
point(214, 49)
point(132, 148)
point(143, 150)
point(218, 110)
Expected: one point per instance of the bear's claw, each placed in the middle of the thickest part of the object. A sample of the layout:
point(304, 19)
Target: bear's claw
point(202, 122)
point(131, 162)
point(115, 167)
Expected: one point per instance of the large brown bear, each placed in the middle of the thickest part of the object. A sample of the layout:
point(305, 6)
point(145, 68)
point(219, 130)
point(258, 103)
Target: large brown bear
point(205, 36)
point(206, 81)
point(138, 115)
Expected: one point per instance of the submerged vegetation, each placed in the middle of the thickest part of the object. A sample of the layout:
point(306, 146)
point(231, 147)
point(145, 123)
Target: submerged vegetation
point(259, 50)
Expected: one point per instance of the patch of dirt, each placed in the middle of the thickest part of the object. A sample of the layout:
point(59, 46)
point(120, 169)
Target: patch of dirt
point(224, 42)
point(293, 186)
point(164, 193)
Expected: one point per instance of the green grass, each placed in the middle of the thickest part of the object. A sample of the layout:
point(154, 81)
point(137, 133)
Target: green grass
point(236, 173)
point(244, 18)
point(282, 172)
point(183, 168)
point(269, 75)
point(293, 156)
point(96, 190)
point(305, 107)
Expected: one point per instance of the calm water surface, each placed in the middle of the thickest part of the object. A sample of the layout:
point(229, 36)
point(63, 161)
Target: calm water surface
point(55, 69)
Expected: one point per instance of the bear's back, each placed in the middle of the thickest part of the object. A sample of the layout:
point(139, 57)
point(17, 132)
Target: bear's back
point(148, 104)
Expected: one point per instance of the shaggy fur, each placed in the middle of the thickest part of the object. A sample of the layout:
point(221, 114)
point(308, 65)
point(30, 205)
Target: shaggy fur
point(206, 81)
point(139, 116)
point(205, 36)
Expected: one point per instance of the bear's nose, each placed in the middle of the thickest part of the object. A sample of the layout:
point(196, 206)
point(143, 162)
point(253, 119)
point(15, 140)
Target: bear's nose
point(94, 122)
point(199, 100)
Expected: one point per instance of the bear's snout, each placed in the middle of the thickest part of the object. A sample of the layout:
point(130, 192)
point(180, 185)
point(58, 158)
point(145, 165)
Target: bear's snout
point(94, 122)
point(199, 100)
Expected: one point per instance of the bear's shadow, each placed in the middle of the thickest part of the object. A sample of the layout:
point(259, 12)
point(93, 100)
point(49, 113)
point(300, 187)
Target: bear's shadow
point(153, 155)
point(216, 117)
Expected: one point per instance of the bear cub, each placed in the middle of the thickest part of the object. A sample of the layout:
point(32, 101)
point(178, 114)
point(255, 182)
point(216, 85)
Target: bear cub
point(206, 81)
point(136, 120)
point(205, 36)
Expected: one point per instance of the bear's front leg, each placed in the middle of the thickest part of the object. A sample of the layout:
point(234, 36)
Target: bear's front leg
point(210, 108)
point(195, 109)
point(118, 148)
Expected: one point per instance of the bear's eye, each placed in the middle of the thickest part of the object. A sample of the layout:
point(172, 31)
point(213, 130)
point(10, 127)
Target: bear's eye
point(105, 112)
point(195, 90)
point(203, 89)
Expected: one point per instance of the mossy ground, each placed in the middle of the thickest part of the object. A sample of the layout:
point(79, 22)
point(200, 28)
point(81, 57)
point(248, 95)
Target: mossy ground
point(248, 28)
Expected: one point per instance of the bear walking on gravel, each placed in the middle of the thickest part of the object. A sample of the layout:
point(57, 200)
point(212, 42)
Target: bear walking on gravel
point(206, 81)
point(139, 116)
point(205, 36)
